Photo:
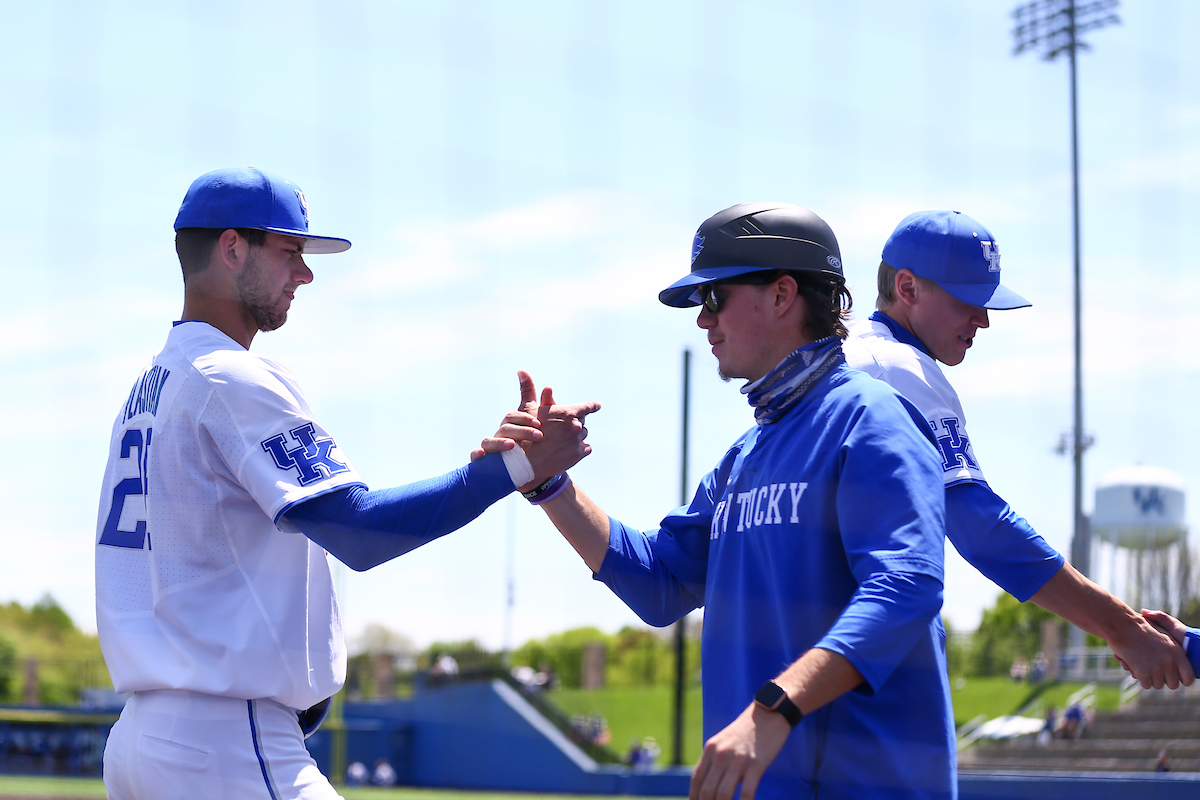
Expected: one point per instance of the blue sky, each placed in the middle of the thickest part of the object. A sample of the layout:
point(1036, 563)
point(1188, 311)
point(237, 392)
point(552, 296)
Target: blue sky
point(519, 180)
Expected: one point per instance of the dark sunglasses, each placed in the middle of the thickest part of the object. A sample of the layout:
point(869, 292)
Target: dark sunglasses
point(708, 292)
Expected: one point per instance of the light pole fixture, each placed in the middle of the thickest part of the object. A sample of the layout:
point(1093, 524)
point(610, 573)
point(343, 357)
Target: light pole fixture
point(1054, 27)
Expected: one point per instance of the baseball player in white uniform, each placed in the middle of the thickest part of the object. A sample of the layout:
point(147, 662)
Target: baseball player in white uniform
point(939, 277)
point(222, 496)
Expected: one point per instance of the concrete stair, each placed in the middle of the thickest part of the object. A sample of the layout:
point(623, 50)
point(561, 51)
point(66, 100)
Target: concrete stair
point(1127, 740)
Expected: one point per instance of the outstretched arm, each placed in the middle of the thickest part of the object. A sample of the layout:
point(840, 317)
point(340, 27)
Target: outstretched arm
point(1004, 547)
point(1150, 655)
point(659, 588)
point(363, 529)
point(582, 524)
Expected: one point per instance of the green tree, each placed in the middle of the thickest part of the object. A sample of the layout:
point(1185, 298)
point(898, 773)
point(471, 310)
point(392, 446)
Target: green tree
point(639, 657)
point(8, 668)
point(68, 659)
point(469, 654)
point(1190, 613)
point(958, 650)
point(1008, 629)
point(48, 617)
point(562, 653)
point(633, 656)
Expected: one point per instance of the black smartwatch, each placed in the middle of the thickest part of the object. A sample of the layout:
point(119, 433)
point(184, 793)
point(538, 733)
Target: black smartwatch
point(772, 697)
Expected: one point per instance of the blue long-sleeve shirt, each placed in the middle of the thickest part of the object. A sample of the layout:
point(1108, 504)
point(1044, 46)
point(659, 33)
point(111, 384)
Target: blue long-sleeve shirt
point(1191, 646)
point(824, 529)
point(997, 541)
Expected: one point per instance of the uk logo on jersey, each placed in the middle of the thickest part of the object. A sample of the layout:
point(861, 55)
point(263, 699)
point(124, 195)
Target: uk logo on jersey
point(955, 446)
point(312, 458)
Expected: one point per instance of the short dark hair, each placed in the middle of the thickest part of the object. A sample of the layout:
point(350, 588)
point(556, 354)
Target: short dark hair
point(827, 307)
point(194, 246)
point(826, 303)
point(885, 284)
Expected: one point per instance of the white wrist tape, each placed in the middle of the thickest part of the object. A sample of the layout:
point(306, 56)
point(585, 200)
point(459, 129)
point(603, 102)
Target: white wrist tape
point(519, 468)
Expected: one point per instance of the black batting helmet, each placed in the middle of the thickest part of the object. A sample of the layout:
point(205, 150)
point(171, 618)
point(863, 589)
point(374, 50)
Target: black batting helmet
point(758, 237)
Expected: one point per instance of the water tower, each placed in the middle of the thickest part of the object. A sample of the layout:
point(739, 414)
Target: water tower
point(1139, 518)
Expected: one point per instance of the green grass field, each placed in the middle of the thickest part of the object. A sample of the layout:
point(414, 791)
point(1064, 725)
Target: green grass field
point(28, 786)
point(638, 712)
point(87, 788)
point(998, 696)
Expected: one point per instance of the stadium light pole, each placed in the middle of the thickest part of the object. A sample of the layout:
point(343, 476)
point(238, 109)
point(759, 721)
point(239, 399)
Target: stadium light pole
point(1054, 27)
point(681, 625)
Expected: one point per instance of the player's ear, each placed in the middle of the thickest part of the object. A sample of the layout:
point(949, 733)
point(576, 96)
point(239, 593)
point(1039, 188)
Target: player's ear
point(907, 287)
point(231, 249)
point(785, 292)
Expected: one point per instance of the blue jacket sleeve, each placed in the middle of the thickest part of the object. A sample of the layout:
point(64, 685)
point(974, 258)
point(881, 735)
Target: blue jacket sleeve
point(887, 613)
point(363, 529)
point(661, 574)
point(891, 512)
point(997, 541)
point(635, 572)
point(1191, 646)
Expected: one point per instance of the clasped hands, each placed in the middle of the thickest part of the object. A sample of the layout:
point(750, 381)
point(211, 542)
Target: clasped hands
point(1151, 650)
point(1172, 627)
point(552, 436)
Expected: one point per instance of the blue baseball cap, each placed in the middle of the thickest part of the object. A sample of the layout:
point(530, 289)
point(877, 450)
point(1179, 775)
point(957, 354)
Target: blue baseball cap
point(954, 251)
point(247, 197)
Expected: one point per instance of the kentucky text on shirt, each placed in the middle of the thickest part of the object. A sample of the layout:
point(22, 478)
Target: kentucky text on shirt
point(759, 506)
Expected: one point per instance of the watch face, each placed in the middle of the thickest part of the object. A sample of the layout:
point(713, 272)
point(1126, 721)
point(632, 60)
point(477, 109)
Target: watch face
point(769, 695)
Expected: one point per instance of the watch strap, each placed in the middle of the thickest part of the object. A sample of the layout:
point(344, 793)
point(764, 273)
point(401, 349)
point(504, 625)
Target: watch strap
point(772, 697)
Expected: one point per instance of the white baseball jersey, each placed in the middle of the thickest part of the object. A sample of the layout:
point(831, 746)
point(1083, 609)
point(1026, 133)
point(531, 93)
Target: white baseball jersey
point(200, 585)
point(872, 348)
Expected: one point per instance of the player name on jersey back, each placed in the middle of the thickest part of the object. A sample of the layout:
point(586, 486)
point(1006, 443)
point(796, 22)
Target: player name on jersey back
point(145, 394)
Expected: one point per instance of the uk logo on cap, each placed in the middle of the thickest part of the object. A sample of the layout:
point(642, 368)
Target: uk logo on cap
point(991, 251)
point(942, 247)
point(304, 206)
point(697, 246)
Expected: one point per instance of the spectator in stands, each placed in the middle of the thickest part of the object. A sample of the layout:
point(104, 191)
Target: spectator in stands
point(650, 751)
point(445, 665)
point(1047, 731)
point(1040, 669)
point(1163, 764)
point(546, 677)
point(384, 774)
point(634, 757)
point(1073, 721)
point(601, 735)
point(356, 774)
